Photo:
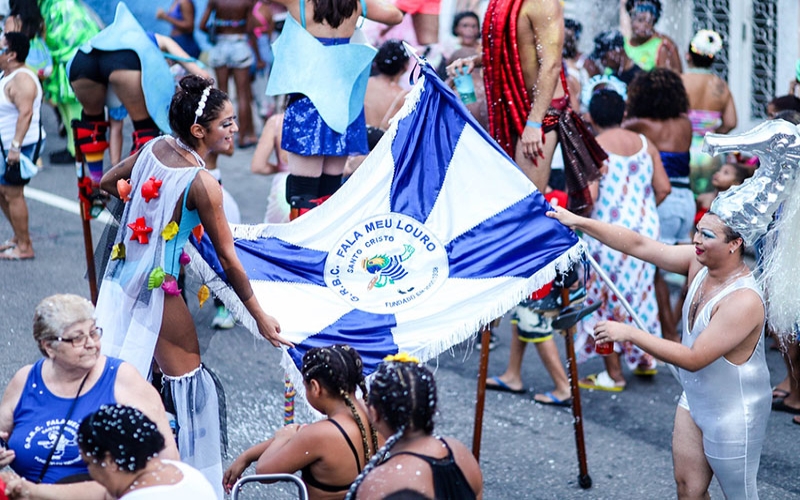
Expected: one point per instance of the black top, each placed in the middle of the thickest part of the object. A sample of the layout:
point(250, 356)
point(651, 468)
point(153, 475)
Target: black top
point(628, 75)
point(448, 480)
point(309, 478)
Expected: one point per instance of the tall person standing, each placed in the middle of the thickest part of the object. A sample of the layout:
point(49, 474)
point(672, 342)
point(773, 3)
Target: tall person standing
point(234, 50)
point(522, 57)
point(20, 132)
point(324, 121)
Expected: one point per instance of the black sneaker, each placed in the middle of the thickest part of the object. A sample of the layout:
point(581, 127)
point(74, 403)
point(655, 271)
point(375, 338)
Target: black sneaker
point(62, 157)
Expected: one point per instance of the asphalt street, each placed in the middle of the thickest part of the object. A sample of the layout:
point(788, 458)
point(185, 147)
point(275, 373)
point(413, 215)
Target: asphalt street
point(528, 450)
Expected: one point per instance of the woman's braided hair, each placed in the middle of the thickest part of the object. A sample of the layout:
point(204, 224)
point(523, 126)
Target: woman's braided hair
point(339, 370)
point(403, 392)
point(125, 433)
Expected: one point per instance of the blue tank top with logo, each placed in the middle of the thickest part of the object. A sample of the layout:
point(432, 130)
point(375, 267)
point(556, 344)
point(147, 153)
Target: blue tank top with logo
point(40, 414)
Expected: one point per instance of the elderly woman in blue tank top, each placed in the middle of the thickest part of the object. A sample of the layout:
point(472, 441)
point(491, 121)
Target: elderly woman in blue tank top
point(45, 402)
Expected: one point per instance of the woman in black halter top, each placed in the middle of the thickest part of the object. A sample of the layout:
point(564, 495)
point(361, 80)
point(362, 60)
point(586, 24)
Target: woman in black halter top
point(402, 402)
point(329, 453)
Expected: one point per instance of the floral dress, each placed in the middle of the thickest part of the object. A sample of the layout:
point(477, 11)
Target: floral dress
point(625, 198)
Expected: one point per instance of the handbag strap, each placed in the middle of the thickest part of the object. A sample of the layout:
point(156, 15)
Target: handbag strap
point(61, 430)
point(38, 149)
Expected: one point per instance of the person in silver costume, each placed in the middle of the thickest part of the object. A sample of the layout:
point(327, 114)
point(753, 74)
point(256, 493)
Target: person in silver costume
point(721, 419)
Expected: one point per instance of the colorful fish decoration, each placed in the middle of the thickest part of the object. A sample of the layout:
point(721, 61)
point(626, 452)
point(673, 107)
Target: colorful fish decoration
point(170, 231)
point(118, 251)
point(170, 286)
point(203, 294)
point(150, 189)
point(124, 189)
point(184, 258)
point(156, 278)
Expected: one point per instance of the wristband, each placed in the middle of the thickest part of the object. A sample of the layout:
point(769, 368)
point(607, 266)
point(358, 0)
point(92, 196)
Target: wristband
point(531, 123)
point(15, 149)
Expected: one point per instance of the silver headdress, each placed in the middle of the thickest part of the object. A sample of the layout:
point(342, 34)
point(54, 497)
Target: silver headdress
point(748, 210)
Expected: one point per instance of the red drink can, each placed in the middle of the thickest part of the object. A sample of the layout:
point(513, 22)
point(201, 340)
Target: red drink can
point(604, 348)
point(3, 490)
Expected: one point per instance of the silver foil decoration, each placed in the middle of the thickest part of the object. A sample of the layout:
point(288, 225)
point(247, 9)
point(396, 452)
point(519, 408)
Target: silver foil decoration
point(748, 208)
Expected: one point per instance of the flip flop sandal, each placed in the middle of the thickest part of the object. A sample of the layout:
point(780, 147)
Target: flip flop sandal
point(601, 382)
point(500, 386)
point(644, 372)
point(779, 405)
point(779, 393)
point(8, 244)
point(13, 254)
point(554, 401)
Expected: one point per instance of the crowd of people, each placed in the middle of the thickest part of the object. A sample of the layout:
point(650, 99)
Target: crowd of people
point(613, 136)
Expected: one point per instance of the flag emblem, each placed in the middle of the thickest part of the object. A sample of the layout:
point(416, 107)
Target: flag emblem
point(386, 264)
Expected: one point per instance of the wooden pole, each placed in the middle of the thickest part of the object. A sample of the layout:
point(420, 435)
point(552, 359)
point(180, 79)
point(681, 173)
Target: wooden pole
point(84, 188)
point(483, 369)
point(584, 479)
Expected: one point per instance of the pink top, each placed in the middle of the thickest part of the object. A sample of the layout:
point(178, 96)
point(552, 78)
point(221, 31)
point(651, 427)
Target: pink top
point(261, 29)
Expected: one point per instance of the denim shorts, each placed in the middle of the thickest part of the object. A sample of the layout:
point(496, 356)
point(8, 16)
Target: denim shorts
point(676, 215)
point(232, 51)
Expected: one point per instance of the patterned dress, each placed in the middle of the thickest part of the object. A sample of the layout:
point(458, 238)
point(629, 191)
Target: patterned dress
point(626, 198)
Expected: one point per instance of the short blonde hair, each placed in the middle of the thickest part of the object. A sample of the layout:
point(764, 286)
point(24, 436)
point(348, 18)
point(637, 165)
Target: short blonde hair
point(56, 313)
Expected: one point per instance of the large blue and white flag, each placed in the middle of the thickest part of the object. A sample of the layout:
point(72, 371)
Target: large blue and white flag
point(436, 234)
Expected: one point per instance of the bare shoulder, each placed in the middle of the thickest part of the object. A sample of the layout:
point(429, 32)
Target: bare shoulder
point(638, 125)
point(400, 472)
point(667, 41)
point(320, 431)
point(720, 87)
point(745, 303)
point(131, 388)
point(461, 453)
point(204, 184)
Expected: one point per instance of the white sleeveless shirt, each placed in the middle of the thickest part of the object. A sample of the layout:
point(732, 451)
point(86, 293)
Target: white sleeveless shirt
point(9, 112)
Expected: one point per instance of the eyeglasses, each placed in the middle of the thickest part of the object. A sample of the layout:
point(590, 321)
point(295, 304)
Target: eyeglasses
point(80, 340)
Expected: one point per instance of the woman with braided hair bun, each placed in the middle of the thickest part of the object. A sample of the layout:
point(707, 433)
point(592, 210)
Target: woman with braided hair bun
point(320, 451)
point(402, 403)
point(121, 447)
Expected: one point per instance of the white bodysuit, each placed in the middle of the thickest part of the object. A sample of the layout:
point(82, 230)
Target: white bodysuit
point(729, 403)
